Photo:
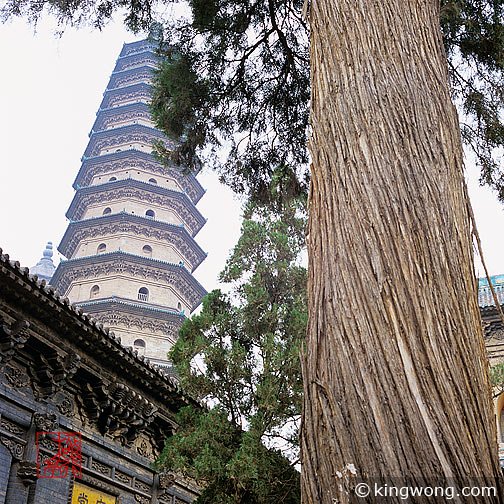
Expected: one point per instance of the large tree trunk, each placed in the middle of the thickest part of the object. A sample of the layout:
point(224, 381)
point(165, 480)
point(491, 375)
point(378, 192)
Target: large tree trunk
point(395, 371)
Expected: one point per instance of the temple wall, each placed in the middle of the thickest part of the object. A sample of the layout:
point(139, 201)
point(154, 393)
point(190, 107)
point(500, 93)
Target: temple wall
point(59, 373)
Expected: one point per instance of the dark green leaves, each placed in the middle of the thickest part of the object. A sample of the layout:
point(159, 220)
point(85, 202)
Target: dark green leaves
point(232, 466)
point(241, 81)
point(497, 379)
point(473, 34)
point(251, 92)
point(241, 355)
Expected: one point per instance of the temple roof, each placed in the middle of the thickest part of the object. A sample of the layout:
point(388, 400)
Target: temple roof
point(85, 332)
point(131, 111)
point(136, 47)
point(145, 57)
point(114, 137)
point(127, 77)
point(114, 97)
point(44, 269)
point(122, 304)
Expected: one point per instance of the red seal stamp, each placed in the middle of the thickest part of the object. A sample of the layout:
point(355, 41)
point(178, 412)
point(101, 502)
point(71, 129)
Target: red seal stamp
point(68, 456)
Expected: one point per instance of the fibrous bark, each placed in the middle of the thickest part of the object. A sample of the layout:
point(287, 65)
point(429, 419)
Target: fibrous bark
point(395, 371)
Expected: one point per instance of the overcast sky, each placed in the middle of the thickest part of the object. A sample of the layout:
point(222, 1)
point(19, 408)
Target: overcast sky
point(50, 90)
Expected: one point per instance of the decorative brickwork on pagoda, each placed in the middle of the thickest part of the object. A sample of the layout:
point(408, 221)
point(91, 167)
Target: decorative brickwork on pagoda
point(130, 245)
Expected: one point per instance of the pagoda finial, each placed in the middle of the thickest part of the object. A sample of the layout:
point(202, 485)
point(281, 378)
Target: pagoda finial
point(44, 269)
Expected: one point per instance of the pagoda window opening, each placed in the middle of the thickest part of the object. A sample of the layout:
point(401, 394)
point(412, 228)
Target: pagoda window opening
point(147, 250)
point(143, 294)
point(111, 179)
point(179, 306)
point(153, 181)
point(107, 211)
point(95, 290)
point(150, 213)
point(139, 346)
point(101, 248)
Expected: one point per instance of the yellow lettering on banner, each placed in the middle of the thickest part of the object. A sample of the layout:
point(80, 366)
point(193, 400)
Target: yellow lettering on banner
point(83, 494)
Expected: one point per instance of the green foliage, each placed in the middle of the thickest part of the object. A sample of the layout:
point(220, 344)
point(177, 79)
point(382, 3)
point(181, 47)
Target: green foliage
point(257, 87)
point(252, 68)
point(231, 465)
point(179, 94)
point(473, 34)
point(236, 75)
point(497, 379)
point(241, 354)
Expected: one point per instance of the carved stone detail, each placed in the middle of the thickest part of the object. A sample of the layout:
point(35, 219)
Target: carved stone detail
point(117, 411)
point(109, 118)
point(12, 338)
point(123, 478)
point(138, 47)
point(113, 319)
point(143, 161)
point(43, 457)
point(51, 372)
point(120, 266)
point(27, 472)
point(101, 468)
point(133, 77)
point(141, 499)
point(66, 406)
point(47, 444)
point(16, 377)
point(144, 487)
point(138, 92)
point(135, 60)
point(45, 422)
point(144, 448)
point(165, 499)
point(186, 212)
point(137, 226)
point(112, 138)
point(16, 448)
point(11, 427)
point(166, 480)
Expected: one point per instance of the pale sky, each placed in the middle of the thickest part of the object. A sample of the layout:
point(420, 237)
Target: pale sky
point(50, 90)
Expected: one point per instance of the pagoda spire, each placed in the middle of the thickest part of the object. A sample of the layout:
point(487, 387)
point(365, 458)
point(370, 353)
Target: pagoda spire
point(44, 269)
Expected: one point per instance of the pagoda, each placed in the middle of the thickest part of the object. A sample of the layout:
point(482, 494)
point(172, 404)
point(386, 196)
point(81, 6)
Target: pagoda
point(130, 243)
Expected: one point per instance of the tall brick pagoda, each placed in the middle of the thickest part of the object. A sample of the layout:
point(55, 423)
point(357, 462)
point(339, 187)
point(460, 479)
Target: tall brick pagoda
point(130, 241)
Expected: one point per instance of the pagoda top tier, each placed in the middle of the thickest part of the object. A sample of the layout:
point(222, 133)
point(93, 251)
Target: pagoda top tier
point(132, 76)
point(137, 47)
point(147, 57)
